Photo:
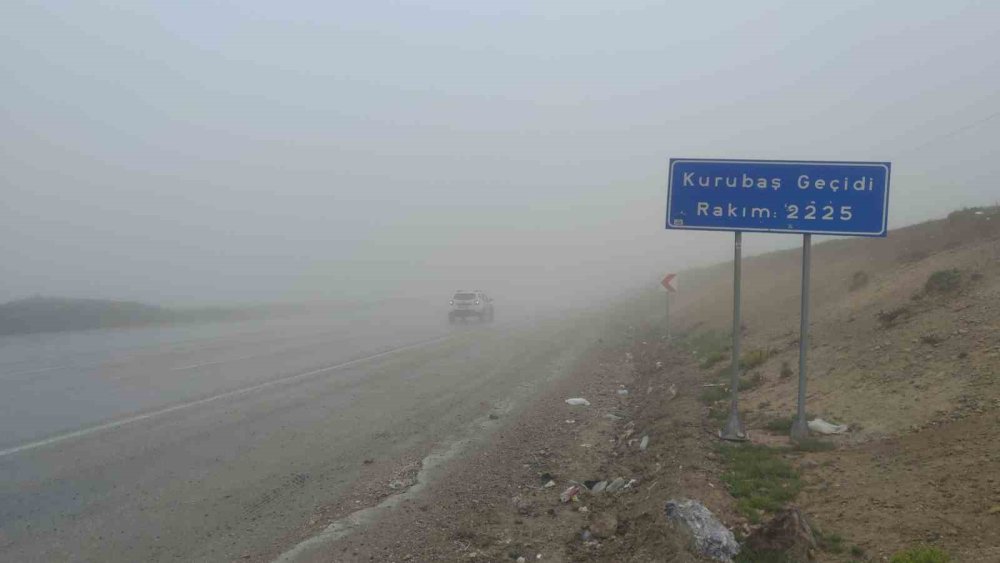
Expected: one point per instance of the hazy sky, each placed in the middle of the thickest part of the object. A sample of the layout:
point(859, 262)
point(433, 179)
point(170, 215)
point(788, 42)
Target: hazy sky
point(232, 151)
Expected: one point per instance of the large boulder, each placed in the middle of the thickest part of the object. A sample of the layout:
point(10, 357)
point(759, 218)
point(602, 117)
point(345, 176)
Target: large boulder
point(708, 536)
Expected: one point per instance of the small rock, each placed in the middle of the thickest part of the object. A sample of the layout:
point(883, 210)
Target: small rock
point(586, 535)
point(616, 485)
point(549, 485)
point(522, 506)
point(578, 401)
point(623, 392)
point(583, 509)
point(994, 510)
point(604, 525)
point(521, 559)
point(599, 487)
point(644, 443)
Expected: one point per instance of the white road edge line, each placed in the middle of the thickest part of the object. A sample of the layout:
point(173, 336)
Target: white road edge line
point(217, 362)
point(213, 398)
point(429, 465)
point(34, 371)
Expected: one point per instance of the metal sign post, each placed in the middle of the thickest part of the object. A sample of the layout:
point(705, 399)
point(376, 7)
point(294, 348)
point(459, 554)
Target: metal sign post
point(800, 428)
point(777, 196)
point(666, 316)
point(667, 283)
point(734, 429)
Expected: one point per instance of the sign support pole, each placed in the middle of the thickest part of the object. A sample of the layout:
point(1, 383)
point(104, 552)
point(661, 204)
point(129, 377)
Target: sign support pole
point(667, 316)
point(800, 428)
point(734, 429)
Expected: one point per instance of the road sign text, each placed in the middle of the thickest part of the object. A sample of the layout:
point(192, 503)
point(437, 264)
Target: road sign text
point(847, 198)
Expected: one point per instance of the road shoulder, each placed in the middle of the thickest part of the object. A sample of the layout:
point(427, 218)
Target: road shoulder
point(494, 503)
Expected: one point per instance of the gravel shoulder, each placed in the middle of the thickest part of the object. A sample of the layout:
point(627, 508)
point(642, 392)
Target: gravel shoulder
point(502, 501)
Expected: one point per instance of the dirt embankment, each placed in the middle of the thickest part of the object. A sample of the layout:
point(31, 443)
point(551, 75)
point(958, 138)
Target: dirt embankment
point(905, 349)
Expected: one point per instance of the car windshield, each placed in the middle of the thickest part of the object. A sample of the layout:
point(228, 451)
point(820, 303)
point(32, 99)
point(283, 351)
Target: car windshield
point(465, 296)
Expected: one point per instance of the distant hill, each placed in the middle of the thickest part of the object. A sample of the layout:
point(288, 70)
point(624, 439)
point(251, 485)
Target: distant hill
point(54, 314)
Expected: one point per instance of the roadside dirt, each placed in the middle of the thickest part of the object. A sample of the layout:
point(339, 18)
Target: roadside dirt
point(914, 371)
point(494, 505)
point(939, 486)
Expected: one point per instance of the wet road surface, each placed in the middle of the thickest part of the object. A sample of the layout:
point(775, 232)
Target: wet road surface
point(208, 443)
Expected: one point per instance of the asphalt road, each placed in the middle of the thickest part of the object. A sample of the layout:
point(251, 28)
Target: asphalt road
point(213, 442)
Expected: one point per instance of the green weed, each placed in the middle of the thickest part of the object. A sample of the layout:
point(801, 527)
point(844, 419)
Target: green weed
point(712, 359)
point(710, 347)
point(921, 554)
point(943, 281)
point(716, 393)
point(813, 445)
point(718, 413)
point(710, 395)
point(831, 543)
point(756, 358)
point(779, 425)
point(759, 479)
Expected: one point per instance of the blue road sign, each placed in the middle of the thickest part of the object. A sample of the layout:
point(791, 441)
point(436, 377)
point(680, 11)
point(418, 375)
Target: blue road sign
point(779, 196)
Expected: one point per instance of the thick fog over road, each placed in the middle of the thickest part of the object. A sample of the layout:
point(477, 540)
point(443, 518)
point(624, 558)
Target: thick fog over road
point(357, 162)
point(234, 152)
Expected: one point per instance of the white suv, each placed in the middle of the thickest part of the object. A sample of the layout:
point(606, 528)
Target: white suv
point(466, 304)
